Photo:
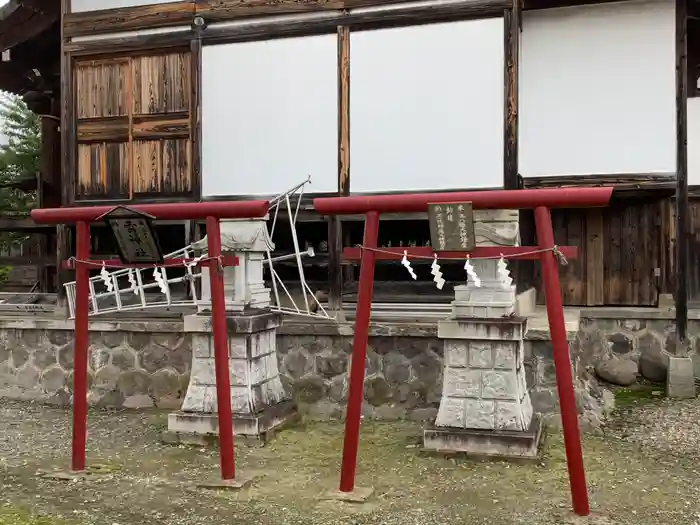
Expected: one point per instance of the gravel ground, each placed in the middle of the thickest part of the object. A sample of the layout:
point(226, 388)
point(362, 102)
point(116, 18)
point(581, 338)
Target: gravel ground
point(644, 470)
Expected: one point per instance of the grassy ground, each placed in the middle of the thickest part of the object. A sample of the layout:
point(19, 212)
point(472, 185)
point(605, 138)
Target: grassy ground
point(631, 480)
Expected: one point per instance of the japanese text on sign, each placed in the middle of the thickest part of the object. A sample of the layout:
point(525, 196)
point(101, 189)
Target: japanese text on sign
point(134, 234)
point(451, 226)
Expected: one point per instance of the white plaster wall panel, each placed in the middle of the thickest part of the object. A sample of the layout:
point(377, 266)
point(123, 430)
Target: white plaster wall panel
point(78, 6)
point(426, 107)
point(269, 116)
point(597, 90)
point(694, 141)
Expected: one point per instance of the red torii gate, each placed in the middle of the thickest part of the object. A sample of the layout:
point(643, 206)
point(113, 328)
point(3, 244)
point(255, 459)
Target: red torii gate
point(539, 200)
point(212, 212)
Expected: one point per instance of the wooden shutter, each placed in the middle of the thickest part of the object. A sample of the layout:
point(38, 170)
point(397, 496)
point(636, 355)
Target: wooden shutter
point(134, 136)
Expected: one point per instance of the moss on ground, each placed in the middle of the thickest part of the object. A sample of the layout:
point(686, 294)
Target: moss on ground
point(638, 394)
point(13, 516)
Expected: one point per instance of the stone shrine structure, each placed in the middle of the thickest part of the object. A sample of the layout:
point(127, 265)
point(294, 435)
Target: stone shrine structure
point(485, 408)
point(258, 399)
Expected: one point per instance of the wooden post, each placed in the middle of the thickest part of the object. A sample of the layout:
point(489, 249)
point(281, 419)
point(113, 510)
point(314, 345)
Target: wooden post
point(335, 228)
point(562, 362)
point(522, 270)
point(511, 44)
point(80, 347)
point(682, 174)
point(221, 350)
point(63, 233)
point(196, 113)
point(48, 194)
point(363, 312)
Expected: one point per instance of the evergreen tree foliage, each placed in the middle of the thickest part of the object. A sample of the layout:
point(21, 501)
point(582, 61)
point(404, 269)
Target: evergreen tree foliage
point(20, 146)
point(20, 155)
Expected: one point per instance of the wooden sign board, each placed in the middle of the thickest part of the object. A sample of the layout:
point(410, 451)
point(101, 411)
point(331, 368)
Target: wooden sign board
point(451, 227)
point(136, 238)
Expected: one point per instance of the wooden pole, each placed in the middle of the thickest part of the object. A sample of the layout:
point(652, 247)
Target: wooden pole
point(682, 174)
point(511, 45)
point(562, 362)
point(221, 351)
point(351, 438)
point(80, 347)
point(335, 227)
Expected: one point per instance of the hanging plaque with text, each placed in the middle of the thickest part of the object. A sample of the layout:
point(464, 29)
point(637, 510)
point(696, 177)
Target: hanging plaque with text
point(451, 226)
point(136, 239)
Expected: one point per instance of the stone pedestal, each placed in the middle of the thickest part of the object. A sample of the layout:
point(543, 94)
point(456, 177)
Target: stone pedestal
point(680, 378)
point(485, 408)
point(258, 399)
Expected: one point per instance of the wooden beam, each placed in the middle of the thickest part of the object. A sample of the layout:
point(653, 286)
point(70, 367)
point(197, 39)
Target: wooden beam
point(24, 23)
point(356, 19)
point(335, 227)
point(224, 10)
point(121, 19)
point(68, 147)
point(128, 45)
point(171, 14)
point(196, 114)
point(103, 129)
point(344, 110)
point(24, 260)
point(682, 174)
point(22, 224)
point(511, 32)
point(271, 27)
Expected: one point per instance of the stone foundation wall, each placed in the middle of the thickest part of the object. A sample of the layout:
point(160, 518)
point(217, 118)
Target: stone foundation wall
point(644, 337)
point(141, 365)
point(403, 375)
point(126, 368)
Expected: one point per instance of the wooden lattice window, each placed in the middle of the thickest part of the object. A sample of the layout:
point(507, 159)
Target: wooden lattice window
point(133, 127)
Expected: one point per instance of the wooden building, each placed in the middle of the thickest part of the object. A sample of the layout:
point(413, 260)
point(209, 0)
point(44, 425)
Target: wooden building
point(176, 100)
point(30, 41)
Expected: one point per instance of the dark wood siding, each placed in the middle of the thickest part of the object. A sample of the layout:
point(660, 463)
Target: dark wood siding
point(620, 254)
point(669, 239)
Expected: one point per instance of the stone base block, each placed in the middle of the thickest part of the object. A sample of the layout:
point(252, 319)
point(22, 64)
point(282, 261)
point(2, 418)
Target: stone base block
point(680, 382)
point(69, 475)
point(241, 482)
point(90, 473)
point(193, 428)
point(486, 444)
point(358, 495)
